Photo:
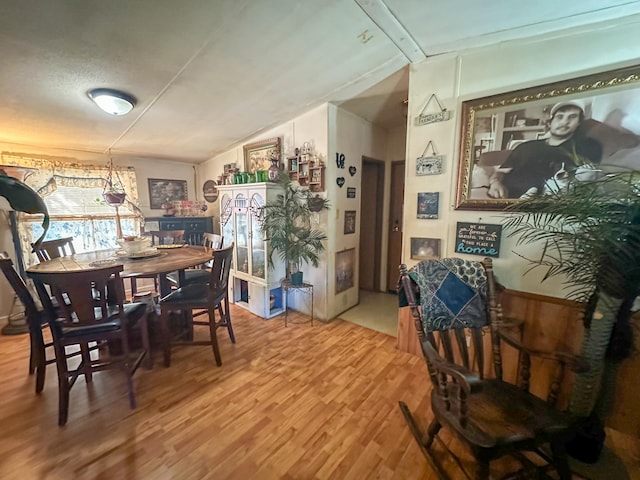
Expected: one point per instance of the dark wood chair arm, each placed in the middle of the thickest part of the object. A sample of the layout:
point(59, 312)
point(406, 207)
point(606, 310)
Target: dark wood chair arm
point(574, 362)
point(467, 380)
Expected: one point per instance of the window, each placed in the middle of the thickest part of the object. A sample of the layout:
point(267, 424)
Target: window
point(73, 195)
point(81, 213)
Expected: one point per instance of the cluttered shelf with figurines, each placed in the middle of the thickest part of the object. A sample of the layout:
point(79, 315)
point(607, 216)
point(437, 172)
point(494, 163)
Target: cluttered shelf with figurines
point(306, 168)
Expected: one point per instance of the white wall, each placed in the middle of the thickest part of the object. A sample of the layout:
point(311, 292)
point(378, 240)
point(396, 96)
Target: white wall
point(478, 73)
point(354, 137)
point(330, 130)
point(309, 127)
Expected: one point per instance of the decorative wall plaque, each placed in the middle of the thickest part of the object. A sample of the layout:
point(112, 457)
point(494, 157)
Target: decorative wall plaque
point(439, 116)
point(429, 165)
point(478, 239)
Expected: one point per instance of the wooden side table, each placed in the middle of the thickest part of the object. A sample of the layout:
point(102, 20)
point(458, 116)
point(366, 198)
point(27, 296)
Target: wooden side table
point(304, 288)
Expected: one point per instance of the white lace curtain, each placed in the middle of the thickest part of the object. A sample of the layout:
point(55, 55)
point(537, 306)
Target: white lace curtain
point(47, 175)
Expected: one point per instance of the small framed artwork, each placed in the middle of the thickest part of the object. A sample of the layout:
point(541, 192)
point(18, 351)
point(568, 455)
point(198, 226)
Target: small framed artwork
point(425, 248)
point(258, 155)
point(429, 165)
point(162, 191)
point(428, 205)
point(345, 266)
point(293, 164)
point(349, 222)
point(351, 192)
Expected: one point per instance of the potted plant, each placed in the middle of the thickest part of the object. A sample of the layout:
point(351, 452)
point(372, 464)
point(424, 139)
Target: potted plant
point(286, 224)
point(591, 235)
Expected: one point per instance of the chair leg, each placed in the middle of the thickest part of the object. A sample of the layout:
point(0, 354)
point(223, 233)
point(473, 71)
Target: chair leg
point(146, 345)
point(214, 336)
point(32, 358)
point(37, 358)
point(434, 427)
point(129, 366)
point(226, 315)
point(166, 335)
point(482, 470)
point(63, 386)
point(86, 360)
point(560, 459)
point(430, 434)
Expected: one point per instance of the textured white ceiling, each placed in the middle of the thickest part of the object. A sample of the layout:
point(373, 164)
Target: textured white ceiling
point(210, 74)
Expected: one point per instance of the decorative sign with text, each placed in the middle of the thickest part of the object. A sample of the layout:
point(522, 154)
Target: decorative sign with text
point(441, 115)
point(478, 239)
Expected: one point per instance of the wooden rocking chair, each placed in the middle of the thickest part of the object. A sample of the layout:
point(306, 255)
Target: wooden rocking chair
point(453, 303)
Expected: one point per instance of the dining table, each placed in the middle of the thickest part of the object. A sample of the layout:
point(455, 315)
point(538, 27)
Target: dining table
point(159, 262)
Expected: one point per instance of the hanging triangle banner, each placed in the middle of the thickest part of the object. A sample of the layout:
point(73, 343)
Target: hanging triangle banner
point(440, 116)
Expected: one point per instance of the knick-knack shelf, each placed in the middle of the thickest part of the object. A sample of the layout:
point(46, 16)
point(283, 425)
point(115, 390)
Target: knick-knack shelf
point(305, 168)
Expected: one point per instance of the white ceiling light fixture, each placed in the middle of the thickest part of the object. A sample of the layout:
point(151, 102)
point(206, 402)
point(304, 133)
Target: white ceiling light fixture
point(112, 101)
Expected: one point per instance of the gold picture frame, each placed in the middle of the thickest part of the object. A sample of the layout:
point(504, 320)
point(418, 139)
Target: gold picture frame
point(492, 127)
point(258, 155)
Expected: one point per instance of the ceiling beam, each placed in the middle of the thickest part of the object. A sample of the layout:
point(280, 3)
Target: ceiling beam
point(380, 14)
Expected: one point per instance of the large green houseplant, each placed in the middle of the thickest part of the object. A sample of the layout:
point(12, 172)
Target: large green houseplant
point(590, 234)
point(286, 224)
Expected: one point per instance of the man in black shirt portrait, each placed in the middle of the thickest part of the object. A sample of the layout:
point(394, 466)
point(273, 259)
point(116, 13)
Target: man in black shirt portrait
point(536, 166)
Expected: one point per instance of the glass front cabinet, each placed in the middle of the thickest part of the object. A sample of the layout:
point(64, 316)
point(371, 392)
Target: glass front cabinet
point(252, 284)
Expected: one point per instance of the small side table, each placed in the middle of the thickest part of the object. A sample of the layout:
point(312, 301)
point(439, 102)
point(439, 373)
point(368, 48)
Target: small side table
point(305, 288)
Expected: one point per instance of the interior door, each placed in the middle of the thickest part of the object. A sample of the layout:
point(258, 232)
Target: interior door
point(394, 254)
point(371, 203)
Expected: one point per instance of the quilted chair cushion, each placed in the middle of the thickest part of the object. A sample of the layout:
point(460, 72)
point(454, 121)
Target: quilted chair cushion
point(453, 293)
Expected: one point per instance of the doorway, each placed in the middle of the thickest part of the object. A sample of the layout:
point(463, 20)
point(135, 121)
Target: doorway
point(371, 205)
point(396, 207)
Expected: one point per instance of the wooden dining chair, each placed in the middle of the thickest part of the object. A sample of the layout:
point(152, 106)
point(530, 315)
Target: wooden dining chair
point(59, 247)
point(167, 237)
point(455, 310)
point(158, 237)
point(36, 319)
point(80, 322)
point(211, 296)
point(200, 273)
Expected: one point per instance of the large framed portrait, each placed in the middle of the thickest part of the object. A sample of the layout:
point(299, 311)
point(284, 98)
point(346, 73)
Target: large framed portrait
point(534, 141)
point(258, 155)
point(162, 191)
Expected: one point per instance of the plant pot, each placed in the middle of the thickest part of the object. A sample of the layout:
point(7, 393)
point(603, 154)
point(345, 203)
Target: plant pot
point(316, 203)
point(296, 278)
point(114, 199)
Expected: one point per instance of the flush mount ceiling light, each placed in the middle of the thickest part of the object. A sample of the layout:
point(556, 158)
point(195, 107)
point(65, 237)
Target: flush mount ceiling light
point(112, 101)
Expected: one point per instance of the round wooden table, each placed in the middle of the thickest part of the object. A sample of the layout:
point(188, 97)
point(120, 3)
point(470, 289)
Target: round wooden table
point(167, 260)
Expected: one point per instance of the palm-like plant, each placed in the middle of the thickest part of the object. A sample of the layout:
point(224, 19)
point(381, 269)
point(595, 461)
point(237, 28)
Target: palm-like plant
point(286, 224)
point(590, 233)
point(23, 198)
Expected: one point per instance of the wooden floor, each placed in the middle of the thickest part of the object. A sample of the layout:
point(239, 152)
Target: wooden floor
point(302, 402)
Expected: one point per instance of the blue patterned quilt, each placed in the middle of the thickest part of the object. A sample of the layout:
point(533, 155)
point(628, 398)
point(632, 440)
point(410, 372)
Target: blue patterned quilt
point(453, 293)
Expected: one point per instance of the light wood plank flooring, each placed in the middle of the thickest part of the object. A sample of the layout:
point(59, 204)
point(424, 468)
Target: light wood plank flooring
point(302, 402)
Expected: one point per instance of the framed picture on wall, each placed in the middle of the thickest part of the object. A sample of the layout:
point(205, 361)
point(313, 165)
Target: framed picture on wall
point(428, 203)
point(163, 190)
point(258, 155)
point(425, 248)
point(349, 222)
point(345, 264)
point(515, 144)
